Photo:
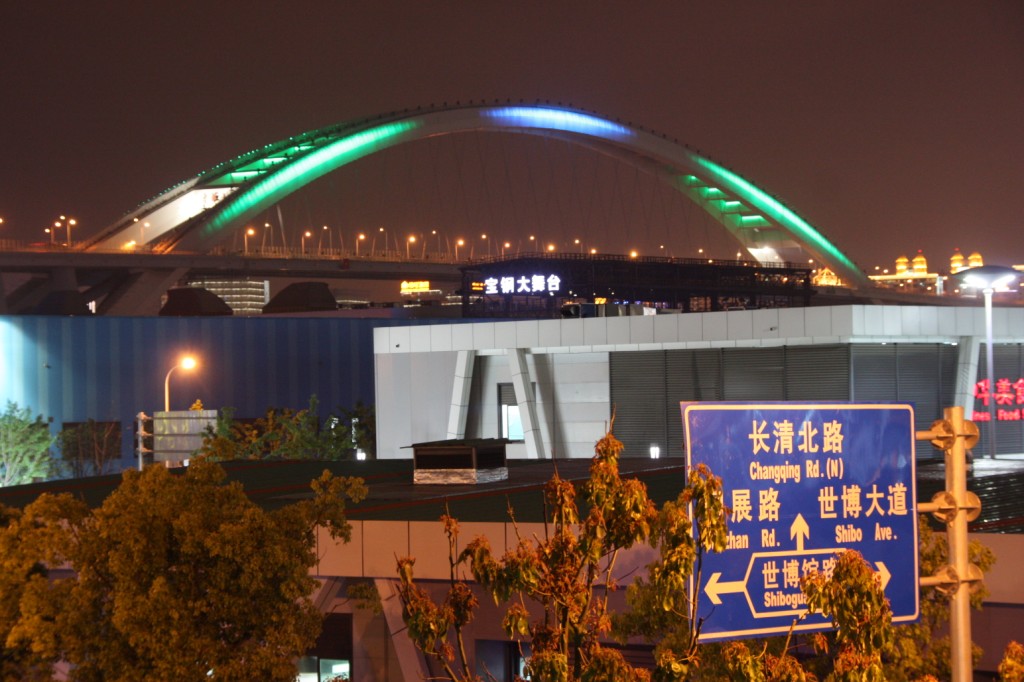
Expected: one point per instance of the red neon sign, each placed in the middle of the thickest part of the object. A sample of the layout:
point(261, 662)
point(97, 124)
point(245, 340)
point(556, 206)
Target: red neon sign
point(1007, 398)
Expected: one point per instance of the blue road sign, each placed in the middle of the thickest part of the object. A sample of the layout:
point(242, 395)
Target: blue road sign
point(804, 483)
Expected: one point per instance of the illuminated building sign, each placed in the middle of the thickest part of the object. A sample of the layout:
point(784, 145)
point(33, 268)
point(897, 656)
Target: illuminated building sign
point(523, 284)
point(476, 286)
point(1008, 398)
point(415, 287)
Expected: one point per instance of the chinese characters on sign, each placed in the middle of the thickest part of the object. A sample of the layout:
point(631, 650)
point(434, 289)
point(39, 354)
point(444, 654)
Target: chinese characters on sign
point(1008, 399)
point(804, 483)
point(523, 284)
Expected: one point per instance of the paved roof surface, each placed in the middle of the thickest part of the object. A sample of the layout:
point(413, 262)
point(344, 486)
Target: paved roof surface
point(392, 496)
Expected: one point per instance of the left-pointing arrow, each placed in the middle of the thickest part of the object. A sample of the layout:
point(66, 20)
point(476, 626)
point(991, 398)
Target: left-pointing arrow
point(715, 588)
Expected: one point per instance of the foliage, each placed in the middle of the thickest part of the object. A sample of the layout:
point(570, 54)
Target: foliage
point(660, 609)
point(360, 422)
point(853, 598)
point(24, 446)
point(281, 434)
point(1011, 668)
point(91, 448)
point(432, 626)
point(174, 577)
point(923, 648)
point(365, 596)
point(557, 586)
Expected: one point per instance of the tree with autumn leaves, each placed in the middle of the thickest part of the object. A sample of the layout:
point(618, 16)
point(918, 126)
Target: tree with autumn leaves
point(555, 591)
point(174, 577)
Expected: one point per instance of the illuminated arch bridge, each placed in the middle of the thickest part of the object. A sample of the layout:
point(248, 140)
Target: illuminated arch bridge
point(203, 211)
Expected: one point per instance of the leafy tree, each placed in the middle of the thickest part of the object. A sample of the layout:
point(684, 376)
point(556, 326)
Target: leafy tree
point(174, 577)
point(923, 648)
point(360, 422)
point(90, 448)
point(1011, 668)
point(558, 586)
point(431, 626)
point(660, 608)
point(281, 434)
point(24, 446)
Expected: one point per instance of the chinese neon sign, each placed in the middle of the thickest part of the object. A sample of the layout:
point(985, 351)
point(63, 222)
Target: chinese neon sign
point(1008, 399)
point(523, 284)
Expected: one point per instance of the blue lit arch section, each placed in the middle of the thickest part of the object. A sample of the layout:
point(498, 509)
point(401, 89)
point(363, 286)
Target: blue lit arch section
point(207, 209)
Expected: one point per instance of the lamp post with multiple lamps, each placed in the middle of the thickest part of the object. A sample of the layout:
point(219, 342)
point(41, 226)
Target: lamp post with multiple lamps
point(187, 363)
point(989, 278)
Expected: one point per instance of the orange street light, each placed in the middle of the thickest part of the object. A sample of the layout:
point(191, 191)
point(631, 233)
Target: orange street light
point(187, 363)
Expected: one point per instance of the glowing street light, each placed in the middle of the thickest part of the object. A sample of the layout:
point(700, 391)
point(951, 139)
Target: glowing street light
point(411, 240)
point(249, 232)
point(305, 235)
point(989, 278)
point(504, 246)
point(187, 363)
point(67, 223)
point(359, 238)
point(633, 253)
point(458, 243)
point(551, 248)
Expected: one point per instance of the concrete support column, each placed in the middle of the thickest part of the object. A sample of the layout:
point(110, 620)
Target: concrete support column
point(412, 663)
point(967, 373)
point(522, 383)
point(459, 410)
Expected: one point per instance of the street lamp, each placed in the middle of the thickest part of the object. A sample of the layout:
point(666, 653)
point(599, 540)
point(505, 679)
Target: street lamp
point(989, 278)
point(305, 235)
point(360, 238)
point(458, 243)
point(67, 223)
point(187, 363)
point(408, 242)
point(248, 233)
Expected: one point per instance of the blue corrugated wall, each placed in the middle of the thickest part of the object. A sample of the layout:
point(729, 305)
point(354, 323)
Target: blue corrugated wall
point(110, 368)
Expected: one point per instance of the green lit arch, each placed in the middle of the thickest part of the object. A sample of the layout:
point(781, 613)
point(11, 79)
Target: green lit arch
point(203, 211)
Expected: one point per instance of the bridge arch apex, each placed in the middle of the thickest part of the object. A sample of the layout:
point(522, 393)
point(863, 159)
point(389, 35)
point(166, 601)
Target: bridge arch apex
point(206, 209)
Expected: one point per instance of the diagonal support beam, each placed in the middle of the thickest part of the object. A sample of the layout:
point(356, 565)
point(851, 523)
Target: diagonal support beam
point(522, 383)
point(459, 410)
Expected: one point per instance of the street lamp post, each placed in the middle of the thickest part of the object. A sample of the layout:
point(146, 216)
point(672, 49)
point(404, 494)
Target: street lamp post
point(360, 238)
point(458, 243)
point(187, 363)
point(989, 278)
point(248, 233)
point(305, 234)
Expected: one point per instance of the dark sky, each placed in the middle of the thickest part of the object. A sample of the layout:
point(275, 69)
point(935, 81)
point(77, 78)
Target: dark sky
point(892, 126)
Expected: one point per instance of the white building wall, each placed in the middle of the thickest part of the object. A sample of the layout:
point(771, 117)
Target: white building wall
point(568, 360)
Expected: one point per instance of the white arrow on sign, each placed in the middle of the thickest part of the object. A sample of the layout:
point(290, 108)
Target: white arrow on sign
point(883, 574)
point(799, 530)
point(715, 588)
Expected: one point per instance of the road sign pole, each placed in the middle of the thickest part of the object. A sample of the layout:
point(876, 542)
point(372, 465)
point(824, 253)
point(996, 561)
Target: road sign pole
point(955, 507)
point(960, 604)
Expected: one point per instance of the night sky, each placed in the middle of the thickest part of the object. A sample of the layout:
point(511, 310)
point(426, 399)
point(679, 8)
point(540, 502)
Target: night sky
point(891, 126)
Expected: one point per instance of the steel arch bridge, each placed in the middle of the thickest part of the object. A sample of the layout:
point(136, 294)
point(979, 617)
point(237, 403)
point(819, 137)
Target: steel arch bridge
point(203, 211)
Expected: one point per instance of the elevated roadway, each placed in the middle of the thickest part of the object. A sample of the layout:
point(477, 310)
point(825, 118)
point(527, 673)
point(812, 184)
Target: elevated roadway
point(132, 283)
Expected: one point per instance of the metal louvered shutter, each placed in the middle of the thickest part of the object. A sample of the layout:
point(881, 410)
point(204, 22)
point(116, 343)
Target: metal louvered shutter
point(753, 374)
point(637, 385)
point(917, 371)
point(817, 372)
point(690, 375)
point(873, 373)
